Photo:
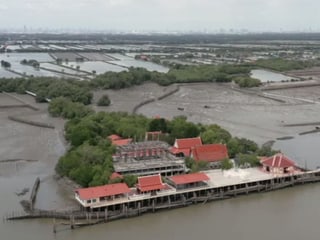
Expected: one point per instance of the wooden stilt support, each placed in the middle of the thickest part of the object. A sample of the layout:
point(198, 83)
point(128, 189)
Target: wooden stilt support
point(106, 214)
point(139, 208)
point(71, 222)
point(54, 226)
point(183, 199)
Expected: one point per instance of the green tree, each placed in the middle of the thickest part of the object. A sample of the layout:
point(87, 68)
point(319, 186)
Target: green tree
point(158, 124)
point(215, 134)
point(130, 180)
point(180, 128)
point(247, 146)
point(226, 164)
point(247, 82)
point(41, 96)
point(266, 151)
point(233, 147)
point(196, 166)
point(82, 174)
point(104, 100)
point(62, 107)
point(248, 160)
point(84, 131)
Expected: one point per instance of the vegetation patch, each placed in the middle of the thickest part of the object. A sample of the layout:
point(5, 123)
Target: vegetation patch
point(45, 87)
point(104, 100)
point(89, 159)
point(282, 65)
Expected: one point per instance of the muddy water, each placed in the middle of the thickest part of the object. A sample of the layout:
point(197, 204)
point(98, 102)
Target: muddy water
point(288, 214)
point(303, 149)
point(292, 213)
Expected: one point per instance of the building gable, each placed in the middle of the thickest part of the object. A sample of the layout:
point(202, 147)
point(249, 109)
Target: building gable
point(150, 183)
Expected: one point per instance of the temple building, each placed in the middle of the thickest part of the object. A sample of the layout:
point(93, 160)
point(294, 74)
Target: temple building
point(182, 147)
point(88, 197)
point(191, 180)
point(278, 164)
point(150, 184)
point(147, 158)
point(211, 153)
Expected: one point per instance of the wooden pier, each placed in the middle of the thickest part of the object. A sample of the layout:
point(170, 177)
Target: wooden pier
point(124, 208)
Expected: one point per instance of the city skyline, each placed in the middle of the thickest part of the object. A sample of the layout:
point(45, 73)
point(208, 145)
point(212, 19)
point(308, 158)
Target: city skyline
point(229, 16)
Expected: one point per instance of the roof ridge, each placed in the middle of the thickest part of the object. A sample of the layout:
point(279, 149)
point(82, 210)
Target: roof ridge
point(273, 160)
point(280, 160)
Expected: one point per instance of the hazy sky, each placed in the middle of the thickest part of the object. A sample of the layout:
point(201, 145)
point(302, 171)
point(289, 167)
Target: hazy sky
point(162, 15)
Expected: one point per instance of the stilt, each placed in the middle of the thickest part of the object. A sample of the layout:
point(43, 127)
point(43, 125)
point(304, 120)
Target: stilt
point(195, 197)
point(71, 222)
point(126, 210)
point(54, 226)
point(183, 199)
point(139, 208)
point(106, 214)
point(221, 192)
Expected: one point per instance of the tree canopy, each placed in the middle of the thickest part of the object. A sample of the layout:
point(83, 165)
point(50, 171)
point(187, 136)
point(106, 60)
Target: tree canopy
point(104, 100)
point(49, 88)
point(89, 160)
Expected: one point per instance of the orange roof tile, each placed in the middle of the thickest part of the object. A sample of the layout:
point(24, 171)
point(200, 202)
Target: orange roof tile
point(210, 152)
point(102, 191)
point(189, 178)
point(188, 142)
point(114, 137)
point(150, 183)
point(115, 175)
point(185, 151)
point(122, 142)
point(155, 132)
point(279, 160)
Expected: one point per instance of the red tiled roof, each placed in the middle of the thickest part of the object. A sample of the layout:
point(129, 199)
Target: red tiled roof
point(189, 178)
point(155, 132)
point(188, 142)
point(115, 175)
point(150, 183)
point(278, 160)
point(102, 191)
point(185, 151)
point(114, 137)
point(210, 152)
point(122, 142)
